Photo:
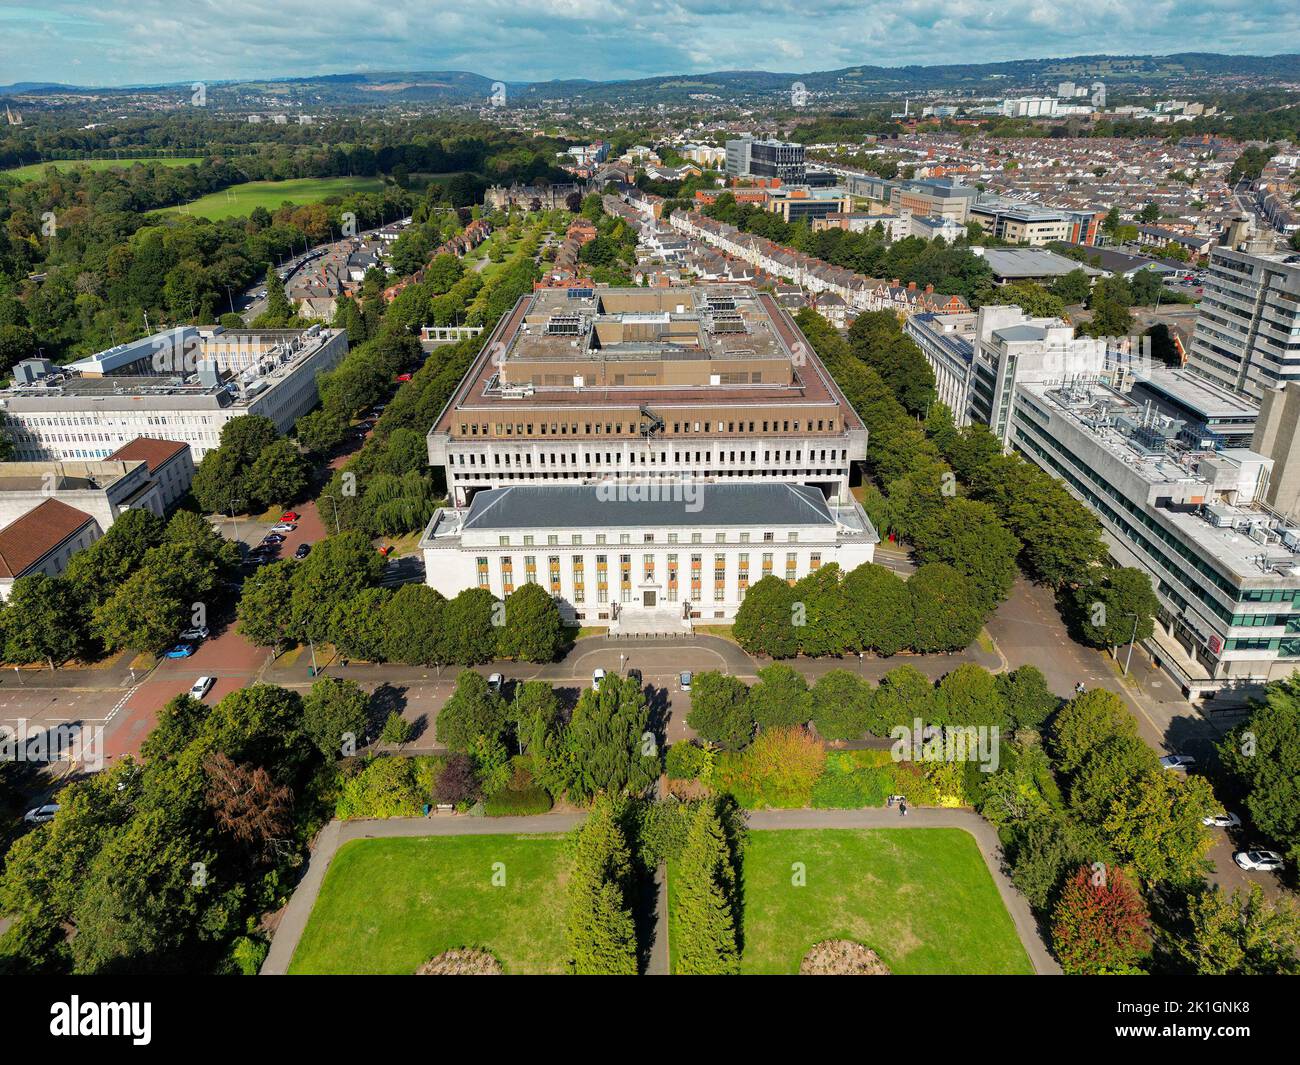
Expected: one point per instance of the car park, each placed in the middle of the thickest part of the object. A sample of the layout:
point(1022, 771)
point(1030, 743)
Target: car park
point(41, 814)
point(181, 650)
point(1259, 860)
point(1226, 819)
point(201, 687)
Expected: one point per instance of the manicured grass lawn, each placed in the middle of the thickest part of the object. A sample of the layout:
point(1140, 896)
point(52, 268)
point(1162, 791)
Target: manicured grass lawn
point(388, 905)
point(238, 200)
point(35, 170)
point(921, 898)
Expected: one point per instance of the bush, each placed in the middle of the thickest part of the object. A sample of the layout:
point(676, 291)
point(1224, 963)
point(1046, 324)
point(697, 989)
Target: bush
point(778, 769)
point(853, 779)
point(688, 761)
point(383, 787)
point(509, 802)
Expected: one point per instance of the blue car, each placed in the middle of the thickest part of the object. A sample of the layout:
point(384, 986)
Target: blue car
point(181, 650)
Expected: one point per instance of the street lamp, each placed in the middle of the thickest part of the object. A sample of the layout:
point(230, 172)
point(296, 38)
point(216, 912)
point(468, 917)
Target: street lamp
point(231, 503)
point(1129, 657)
point(335, 502)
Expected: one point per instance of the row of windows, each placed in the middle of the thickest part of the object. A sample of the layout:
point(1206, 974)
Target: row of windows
point(504, 429)
point(625, 588)
point(651, 458)
point(575, 539)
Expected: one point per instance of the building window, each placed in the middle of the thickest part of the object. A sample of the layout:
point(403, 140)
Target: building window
point(553, 565)
point(530, 569)
point(672, 578)
point(767, 563)
point(507, 575)
point(625, 578)
point(579, 588)
point(482, 567)
point(791, 566)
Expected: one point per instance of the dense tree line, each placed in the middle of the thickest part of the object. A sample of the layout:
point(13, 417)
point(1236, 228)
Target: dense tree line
point(135, 588)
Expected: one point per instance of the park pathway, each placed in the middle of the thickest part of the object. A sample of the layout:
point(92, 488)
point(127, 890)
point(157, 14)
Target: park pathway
point(337, 833)
point(986, 838)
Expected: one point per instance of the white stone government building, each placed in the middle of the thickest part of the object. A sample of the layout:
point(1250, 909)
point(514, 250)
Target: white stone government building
point(645, 455)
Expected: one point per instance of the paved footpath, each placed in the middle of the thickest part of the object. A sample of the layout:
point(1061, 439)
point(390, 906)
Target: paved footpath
point(336, 833)
point(986, 838)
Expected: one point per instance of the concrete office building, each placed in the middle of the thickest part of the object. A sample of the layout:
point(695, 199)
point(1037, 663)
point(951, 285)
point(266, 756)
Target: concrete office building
point(1247, 335)
point(104, 489)
point(783, 160)
point(183, 385)
point(737, 156)
point(710, 383)
point(1277, 435)
point(1021, 223)
point(645, 417)
point(978, 358)
point(1226, 568)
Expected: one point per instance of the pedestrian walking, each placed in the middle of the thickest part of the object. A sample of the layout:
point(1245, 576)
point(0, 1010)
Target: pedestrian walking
point(902, 809)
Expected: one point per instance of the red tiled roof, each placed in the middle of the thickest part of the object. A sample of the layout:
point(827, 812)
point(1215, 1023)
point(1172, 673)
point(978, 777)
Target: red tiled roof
point(154, 453)
point(38, 532)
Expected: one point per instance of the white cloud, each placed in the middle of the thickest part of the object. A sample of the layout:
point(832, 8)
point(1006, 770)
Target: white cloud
point(163, 41)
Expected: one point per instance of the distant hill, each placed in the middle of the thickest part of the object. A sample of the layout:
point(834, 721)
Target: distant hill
point(1121, 73)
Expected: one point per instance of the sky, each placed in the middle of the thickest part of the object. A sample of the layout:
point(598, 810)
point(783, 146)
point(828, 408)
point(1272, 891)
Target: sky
point(116, 42)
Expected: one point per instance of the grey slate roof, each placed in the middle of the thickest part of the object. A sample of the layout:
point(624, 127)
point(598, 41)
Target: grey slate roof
point(637, 504)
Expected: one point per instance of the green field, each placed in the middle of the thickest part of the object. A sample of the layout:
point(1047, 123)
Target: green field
point(35, 170)
point(388, 905)
point(238, 200)
point(921, 898)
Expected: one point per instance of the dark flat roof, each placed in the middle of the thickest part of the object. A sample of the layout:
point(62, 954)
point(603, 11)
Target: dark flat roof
point(637, 505)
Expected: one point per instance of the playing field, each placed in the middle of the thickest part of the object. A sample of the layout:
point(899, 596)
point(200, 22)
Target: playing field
point(921, 898)
point(238, 200)
point(388, 905)
point(35, 170)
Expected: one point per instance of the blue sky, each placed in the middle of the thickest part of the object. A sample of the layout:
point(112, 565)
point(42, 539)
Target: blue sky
point(115, 42)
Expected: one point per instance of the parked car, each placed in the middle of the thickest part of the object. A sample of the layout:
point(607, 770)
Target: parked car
point(41, 814)
point(597, 675)
point(403, 377)
point(289, 515)
point(1261, 861)
point(303, 551)
point(1180, 762)
point(273, 538)
point(283, 527)
point(495, 682)
point(202, 686)
point(181, 650)
point(1226, 819)
point(198, 632)
point(685, 680)
point(635, 674)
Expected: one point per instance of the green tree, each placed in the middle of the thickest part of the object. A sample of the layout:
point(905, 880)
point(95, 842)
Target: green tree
point(1155, 826)
point(600, 928)
point(969, 696)
point(1028, 699)
point(1242, 935)
point(279, 311)
point(968, 536)
point(705, 889)
point(533, 631)
point(468, 626)
point(720, 711)
point(41, 621)
point(265, 605)
point(841, 705)
point(882, 609)
point(335, 713)
point(780, 699)
point(413, 626)
point(1263, 755)
point(947, 608)
point(1084, 723)
point(1119, 605)
point(828, 622)
point(473, 710)
point(611, 746)
point(764, 623)
point(279, 476)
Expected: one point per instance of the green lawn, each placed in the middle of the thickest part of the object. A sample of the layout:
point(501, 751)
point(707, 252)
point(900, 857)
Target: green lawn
point(35, 170)
point(921, 898)
point(388, 905)
point(238, 200)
